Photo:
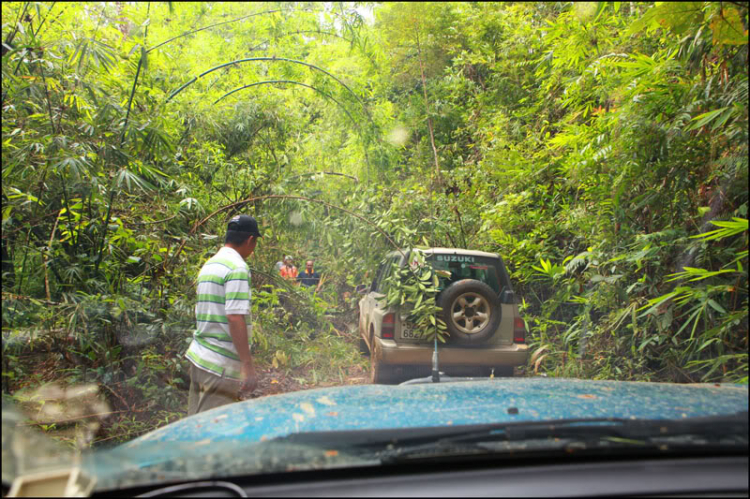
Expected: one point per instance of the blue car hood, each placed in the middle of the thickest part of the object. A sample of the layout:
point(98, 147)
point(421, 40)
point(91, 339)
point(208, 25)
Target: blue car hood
point(367, 407)
point(237, 439)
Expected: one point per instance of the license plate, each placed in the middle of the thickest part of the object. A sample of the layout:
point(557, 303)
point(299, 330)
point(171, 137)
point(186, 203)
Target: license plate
point(409, 334)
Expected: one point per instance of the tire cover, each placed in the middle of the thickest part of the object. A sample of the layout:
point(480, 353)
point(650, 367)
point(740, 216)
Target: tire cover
point(471, 310)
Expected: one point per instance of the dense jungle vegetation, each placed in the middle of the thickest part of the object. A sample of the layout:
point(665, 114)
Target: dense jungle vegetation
point(600, 148)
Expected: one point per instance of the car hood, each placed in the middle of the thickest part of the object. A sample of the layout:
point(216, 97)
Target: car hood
point(368, 407)
point(239, 438)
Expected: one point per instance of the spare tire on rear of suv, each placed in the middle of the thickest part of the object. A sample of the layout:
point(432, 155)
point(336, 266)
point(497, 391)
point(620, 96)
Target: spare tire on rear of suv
point(471, 310)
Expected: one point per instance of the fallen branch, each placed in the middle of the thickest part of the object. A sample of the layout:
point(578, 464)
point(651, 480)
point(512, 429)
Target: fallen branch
point(118, 396)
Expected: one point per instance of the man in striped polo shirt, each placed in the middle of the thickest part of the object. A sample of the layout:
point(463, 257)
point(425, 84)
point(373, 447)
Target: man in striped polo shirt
point(222, 366)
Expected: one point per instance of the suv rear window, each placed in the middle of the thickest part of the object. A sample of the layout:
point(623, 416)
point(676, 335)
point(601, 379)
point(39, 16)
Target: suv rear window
point(466, 267)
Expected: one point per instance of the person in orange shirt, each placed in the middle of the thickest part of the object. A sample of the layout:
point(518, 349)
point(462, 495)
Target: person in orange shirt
point(288, 270)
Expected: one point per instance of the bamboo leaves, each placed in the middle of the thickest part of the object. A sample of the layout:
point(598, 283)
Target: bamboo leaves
point(596, 137)
point(129, 181)
point(90, 50)
point(727, 229)
point(412, 289)
point(549, 269)
point(716, 118)
point(77, 167)
point(15, 193)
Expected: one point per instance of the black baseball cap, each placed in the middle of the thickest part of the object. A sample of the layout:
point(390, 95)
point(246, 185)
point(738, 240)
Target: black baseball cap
point(245, 224)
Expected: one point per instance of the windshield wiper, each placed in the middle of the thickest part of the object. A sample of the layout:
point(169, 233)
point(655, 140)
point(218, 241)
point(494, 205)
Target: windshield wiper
point(400, 443)
point(516, 431)
point(708, 427)
point(597, 432)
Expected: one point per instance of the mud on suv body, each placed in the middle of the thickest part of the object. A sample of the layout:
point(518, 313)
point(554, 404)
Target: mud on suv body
point(485, 330)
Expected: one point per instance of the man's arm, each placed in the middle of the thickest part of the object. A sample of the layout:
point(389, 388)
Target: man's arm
point(238, 331)
point(237, 307)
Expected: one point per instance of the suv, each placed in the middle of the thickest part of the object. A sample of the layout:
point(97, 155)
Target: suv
point(486, 333)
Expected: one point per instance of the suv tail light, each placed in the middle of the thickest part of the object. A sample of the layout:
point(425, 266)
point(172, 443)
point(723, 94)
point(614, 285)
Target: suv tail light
point(389, 325)
point(519, 330)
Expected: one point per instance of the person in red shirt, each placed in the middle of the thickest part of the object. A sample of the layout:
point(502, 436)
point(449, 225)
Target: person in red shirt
point(288, 270)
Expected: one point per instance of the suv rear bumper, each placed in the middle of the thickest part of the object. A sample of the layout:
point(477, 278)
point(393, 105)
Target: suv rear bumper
point(388, 352)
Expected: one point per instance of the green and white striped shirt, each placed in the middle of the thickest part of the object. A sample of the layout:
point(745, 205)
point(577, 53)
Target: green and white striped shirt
point(223, 288)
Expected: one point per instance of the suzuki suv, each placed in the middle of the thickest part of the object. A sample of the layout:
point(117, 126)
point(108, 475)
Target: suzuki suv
point(486, 335)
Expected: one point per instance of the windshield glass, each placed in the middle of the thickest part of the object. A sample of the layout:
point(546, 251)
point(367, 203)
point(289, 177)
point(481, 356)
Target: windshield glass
point(229, 224)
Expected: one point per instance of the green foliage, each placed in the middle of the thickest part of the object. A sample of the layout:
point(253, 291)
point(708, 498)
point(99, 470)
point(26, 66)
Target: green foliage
point(707, 305)
point(412, 289)
point(548, 269)
point(601, 149)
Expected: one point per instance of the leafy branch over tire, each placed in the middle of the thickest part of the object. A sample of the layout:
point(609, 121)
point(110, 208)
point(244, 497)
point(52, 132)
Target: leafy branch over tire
point(413, 289)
